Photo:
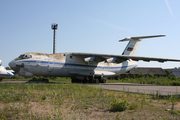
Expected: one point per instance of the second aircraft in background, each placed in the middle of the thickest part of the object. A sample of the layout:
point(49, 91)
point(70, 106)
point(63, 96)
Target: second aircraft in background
point(4, 73)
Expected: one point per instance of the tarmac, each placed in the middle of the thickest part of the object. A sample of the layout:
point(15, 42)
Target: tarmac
point(142, 88)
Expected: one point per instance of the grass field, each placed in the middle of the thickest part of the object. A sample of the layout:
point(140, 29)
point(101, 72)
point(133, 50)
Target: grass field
point(168, 80)
point(82, 102)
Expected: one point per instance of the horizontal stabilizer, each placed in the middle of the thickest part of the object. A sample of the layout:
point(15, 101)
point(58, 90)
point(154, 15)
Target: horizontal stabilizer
point(141, 37)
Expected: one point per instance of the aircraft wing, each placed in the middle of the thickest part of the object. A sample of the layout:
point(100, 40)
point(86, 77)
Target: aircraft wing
point(118, 58)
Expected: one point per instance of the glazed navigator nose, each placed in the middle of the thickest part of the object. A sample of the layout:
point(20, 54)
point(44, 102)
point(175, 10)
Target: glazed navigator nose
point(12, 64)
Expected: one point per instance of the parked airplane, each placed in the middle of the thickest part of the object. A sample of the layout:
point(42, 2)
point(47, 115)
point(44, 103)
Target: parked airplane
point(4, 72)
point(82, 67)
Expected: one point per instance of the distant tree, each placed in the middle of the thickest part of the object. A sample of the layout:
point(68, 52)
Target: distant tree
point(8, 68)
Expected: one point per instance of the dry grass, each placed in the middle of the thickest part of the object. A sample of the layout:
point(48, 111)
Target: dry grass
point(76, 101)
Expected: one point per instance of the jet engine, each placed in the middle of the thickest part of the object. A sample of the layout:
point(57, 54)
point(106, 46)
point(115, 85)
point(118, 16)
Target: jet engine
point(112, 60)
point(90, 59)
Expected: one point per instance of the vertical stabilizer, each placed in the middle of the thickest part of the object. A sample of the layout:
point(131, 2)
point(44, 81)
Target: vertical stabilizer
point(133, 45)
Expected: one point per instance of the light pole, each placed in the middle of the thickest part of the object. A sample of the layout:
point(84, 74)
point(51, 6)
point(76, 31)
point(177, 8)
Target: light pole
point(54, 27)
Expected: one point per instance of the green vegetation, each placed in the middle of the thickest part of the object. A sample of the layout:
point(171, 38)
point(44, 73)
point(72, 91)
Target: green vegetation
point(168, 80)
point(148, 79)
point(119, 104)
point(51, 79)
point(78, 101)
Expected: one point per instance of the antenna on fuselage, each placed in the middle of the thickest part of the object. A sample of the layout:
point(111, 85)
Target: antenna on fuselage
point(54, 27)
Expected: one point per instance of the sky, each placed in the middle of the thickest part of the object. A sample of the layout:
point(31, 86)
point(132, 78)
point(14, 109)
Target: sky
point(92, 26)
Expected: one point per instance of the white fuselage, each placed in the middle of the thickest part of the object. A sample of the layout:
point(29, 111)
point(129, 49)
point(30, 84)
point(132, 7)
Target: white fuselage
point(83, 66)
point(67, 65)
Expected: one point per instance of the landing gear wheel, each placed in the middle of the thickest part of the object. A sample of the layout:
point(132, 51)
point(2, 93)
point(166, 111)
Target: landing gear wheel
point(72, 80)
point(0, 79)
point(97, 81)
point(102, 80)
point(45, 81)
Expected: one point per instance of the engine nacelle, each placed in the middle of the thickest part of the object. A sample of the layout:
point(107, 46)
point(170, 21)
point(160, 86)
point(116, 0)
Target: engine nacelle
point(24, 73)
point(90, 59)
point(112, 60)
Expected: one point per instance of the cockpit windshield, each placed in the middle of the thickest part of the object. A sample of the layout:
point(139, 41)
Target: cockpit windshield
point(24, 56)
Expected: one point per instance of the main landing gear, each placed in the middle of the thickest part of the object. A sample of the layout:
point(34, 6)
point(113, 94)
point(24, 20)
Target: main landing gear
point(45, 80)
point(88, 80)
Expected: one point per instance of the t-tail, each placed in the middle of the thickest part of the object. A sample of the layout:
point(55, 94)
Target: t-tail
point(133, 45)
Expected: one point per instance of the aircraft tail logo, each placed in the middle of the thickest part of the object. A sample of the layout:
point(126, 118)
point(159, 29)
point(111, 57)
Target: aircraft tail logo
point(134, 42)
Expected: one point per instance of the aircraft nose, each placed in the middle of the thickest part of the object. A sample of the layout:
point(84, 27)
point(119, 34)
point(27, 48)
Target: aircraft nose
point(12, 64)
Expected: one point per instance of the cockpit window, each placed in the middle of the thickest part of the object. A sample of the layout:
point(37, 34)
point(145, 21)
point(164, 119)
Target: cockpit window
point(25, 56)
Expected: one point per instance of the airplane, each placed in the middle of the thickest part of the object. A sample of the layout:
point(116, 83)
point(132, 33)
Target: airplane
point(4, 73)
point(82, 67)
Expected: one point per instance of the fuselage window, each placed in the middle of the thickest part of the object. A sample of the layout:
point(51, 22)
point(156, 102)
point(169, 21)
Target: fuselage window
point(21, 56)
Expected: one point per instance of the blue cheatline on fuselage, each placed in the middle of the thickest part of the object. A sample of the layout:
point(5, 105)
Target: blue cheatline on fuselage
point(80, 65)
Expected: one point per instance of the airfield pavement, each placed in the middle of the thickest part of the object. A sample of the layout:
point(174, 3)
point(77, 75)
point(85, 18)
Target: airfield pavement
point(142, 88)
point(128, 87)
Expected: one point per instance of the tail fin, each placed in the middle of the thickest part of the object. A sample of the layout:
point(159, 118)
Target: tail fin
point(133, 45)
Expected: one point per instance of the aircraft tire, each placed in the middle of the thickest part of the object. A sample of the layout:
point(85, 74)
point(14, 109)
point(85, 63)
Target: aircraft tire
point(91, 81)
point(97, 81)
point(45, 81)
point(104, 81)
point(0, 79)
point(72, 80)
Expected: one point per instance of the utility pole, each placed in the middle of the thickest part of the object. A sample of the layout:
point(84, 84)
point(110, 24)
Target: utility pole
point(54, 27)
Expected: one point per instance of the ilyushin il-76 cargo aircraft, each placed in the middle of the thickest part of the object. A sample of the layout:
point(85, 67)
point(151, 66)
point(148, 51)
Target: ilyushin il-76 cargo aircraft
point(82, 67)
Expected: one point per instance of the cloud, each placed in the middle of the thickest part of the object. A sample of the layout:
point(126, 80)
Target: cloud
point(170, 10)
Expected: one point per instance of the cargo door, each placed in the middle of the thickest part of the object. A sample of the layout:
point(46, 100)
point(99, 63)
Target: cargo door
point(50, 66)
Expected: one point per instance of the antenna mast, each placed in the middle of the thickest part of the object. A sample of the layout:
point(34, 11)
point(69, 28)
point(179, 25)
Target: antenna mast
point(54, 27)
